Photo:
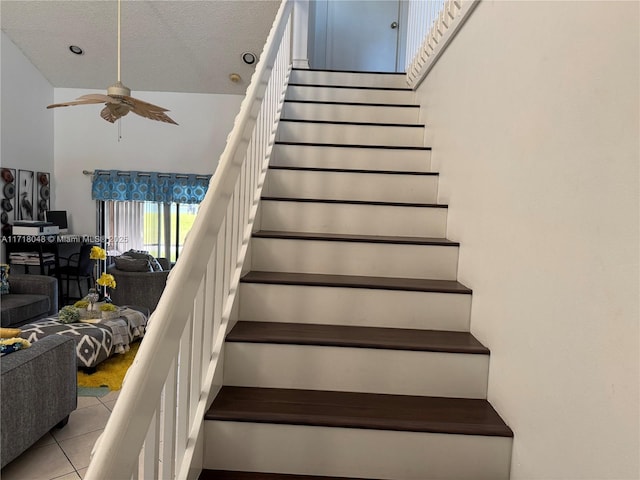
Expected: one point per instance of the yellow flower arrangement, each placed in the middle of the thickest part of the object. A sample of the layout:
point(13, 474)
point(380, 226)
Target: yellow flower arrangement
point(107, 280)
point(97, 253)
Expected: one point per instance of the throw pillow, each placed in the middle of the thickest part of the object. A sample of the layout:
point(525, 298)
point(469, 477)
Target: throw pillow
point(130, 264)
point(9, 332)
point(4, 278)
point(141, 254)
point(10, 345)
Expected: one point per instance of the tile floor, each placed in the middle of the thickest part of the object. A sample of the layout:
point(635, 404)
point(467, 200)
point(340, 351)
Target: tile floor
point(63, 454)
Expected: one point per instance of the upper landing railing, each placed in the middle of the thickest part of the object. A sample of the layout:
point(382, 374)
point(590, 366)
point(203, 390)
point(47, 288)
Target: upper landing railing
point(432, 24)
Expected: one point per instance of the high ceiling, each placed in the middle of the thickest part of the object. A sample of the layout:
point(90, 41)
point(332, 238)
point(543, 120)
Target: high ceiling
point(167, 45)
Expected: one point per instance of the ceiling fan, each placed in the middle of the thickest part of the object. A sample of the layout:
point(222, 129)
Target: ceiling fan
point(118, 99)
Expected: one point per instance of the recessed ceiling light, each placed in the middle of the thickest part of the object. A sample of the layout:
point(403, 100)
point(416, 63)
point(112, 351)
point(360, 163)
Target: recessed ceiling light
point(76, 49)
point(249, 58)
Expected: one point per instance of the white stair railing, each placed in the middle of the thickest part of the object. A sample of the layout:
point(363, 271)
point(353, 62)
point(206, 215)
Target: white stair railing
point(156, 425)
point(432, 24)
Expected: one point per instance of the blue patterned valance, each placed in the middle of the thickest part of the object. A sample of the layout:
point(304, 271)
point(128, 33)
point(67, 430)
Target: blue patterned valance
point(149, 186)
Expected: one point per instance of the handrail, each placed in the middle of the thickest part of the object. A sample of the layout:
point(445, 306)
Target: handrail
point(432, 26)
point(170, 383)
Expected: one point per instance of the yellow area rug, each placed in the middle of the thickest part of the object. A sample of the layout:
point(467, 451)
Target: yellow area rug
point(111, 372)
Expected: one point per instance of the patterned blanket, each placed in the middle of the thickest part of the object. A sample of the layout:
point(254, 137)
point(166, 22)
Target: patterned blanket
point(95, 342)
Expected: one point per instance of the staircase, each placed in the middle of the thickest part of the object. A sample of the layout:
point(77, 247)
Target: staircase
point(352, 356)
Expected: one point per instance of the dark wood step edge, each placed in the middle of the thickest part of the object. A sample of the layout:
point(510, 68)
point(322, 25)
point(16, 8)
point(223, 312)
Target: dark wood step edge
point(358, 124)
point(339, 237)
point(350, 87)
point(354, 104)
point(350, 145)
point(366, 72)
point(356, 281)
point(353, 170)
point(349, 336)
point(237, 475)
point(354, 202)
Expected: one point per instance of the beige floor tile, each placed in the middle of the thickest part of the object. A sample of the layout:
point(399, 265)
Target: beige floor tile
point(47, 439)
point(110, 405)
point(82, 472)
point(110, 397)
point(88, 402)
point(83, 420)
point(42, 463)
point(79, 448)
point(69, 476)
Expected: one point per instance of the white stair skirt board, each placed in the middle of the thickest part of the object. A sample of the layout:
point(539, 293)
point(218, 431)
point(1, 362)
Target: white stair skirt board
point(354, 258)
point(351, 79)
point(351, 369)
point(354, 306)
point(352, 452)
point(351, 158)
point(350, 112)
point(359, 95)
point(350, 134)
point(357, 219)
point(351, 186)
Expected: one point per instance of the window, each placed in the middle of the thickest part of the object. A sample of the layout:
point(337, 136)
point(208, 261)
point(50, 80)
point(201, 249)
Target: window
point(159, 228)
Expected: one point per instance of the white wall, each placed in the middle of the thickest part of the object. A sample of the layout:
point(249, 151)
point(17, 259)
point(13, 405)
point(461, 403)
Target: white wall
point(533, 119)
point(84, 141)
point(27, 132)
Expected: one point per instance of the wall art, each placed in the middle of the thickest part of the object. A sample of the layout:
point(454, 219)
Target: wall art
point(24, 200)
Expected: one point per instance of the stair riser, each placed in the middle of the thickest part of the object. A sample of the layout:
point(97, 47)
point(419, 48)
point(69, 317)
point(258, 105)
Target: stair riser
point(356, 370)
point(359, 453)
point(351, 158)
point(350, 134)
point(350, 113)
point(354, 306)
point(351, 79)
point(357, 219)
point(351, 186)
point(354, 258)
point(332, 94)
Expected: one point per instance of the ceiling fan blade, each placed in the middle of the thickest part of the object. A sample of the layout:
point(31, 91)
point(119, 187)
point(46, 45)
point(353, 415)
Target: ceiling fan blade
point(75, 102)
point(148, 110)
point(99, 98)
point(88, 99)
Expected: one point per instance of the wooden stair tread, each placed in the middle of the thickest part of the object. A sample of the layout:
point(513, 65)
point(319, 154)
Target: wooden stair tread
point(462, 416)
point(354, 202)
point(353, 170)
point(230, 475)
point(347, 145)
point(339, 237)
point(355, 104)
point(351, 87)
point(356, 281)
point(356, 336)
point(344, 122)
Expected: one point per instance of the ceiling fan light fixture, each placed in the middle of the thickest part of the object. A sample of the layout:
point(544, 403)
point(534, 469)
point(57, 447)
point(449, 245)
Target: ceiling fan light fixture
point(76, 50)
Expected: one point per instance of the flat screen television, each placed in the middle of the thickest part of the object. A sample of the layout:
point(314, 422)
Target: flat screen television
point(57, 217)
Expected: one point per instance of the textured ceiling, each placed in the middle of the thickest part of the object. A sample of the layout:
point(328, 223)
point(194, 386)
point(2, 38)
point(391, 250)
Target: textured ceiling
point(167, 45)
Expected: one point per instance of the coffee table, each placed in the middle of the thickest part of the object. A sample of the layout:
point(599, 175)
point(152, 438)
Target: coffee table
point(96, 340)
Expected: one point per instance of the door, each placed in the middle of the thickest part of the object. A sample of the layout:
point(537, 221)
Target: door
point(361, 35)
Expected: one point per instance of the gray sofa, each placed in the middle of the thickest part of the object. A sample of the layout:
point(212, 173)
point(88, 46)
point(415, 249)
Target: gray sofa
point(140, 289)
point(39, 391)
point(30, 298)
